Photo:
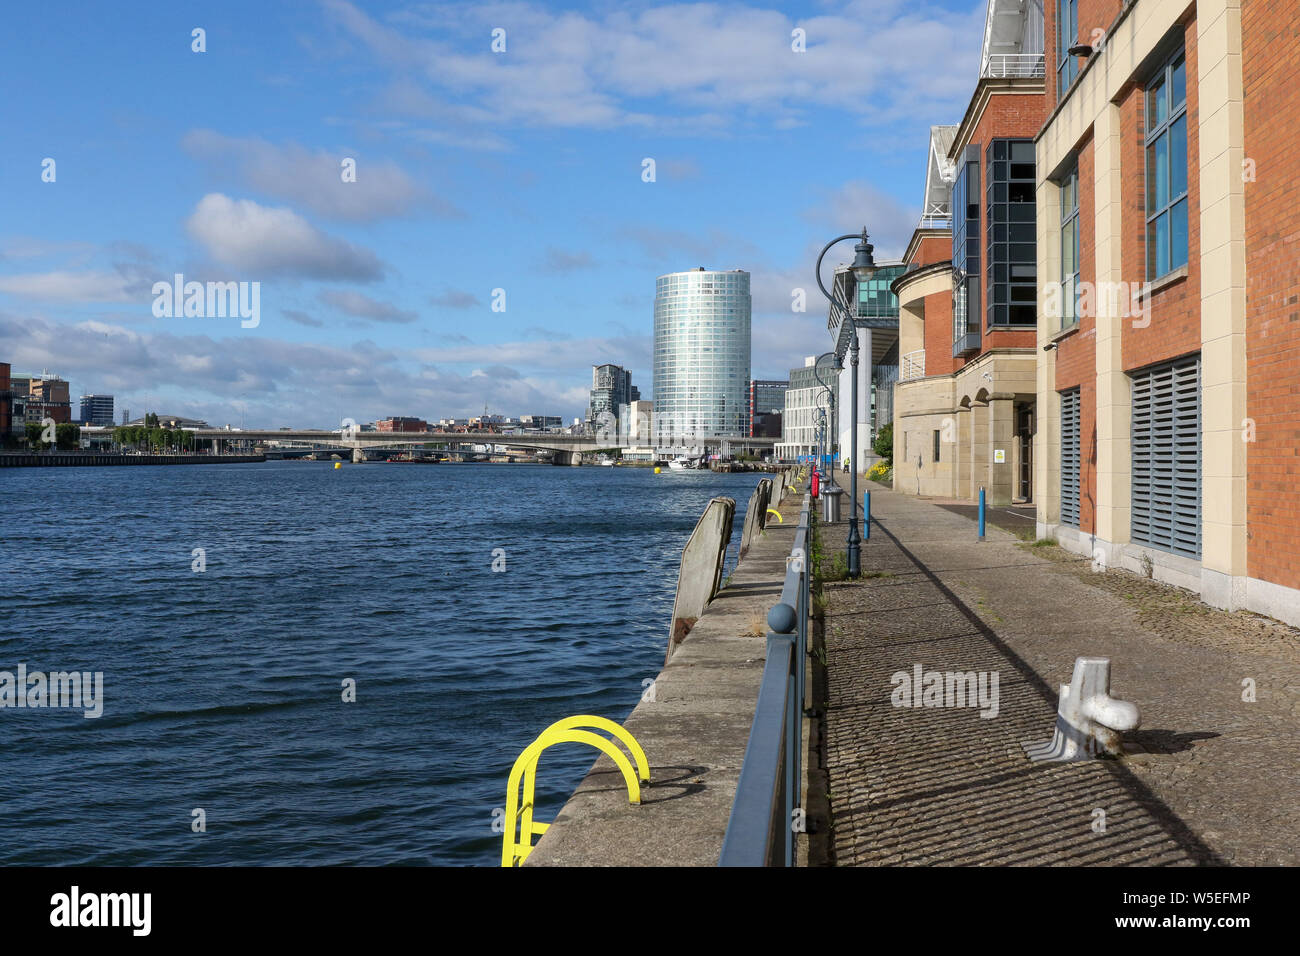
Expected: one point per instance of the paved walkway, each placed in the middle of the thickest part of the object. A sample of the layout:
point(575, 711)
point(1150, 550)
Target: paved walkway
point(1217, 783)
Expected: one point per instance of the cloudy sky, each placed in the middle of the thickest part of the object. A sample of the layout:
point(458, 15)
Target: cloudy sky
point(476, 170)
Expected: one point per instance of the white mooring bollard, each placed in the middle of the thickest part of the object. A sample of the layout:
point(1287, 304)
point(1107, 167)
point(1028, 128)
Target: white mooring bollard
point(1089, 722)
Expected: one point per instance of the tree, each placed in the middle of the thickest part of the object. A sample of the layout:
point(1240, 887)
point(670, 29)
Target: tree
point(67, 436)
point(33, 432)
point(884, 443)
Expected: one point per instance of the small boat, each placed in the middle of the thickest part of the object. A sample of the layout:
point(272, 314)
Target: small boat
point(681, 464)
point(605, 462)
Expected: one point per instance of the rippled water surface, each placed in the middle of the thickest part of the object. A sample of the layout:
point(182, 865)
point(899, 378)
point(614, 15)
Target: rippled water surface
point(222, 689)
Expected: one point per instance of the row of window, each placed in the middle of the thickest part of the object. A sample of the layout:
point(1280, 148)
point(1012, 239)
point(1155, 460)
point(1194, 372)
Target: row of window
point(1165, 180)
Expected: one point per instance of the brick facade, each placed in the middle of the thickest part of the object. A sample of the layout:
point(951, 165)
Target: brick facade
point(1270, 63)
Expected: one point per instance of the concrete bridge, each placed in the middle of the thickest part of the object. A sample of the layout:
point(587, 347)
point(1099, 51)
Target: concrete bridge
point(566, 449)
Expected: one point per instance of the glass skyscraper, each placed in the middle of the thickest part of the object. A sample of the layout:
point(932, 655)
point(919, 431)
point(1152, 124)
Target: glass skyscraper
point(701, 361)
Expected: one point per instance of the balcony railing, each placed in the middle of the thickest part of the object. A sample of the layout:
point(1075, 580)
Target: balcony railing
point(934, 222)
point(1002, 65)
point(911, 365)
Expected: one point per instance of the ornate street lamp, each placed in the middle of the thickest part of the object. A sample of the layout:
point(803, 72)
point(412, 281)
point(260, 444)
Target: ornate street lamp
point(864, 267)
point(836, 366)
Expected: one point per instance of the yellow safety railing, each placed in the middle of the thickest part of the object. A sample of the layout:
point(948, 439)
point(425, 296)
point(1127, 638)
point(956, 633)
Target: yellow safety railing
point(520, 828)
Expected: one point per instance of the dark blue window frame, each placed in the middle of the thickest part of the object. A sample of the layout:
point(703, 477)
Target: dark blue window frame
point(966, 255)
point(1067, 34)
point(1165, 168)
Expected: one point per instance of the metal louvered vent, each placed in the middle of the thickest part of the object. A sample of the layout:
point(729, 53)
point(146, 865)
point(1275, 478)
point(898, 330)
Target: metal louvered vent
point(1070, 457)
point(1167, 457)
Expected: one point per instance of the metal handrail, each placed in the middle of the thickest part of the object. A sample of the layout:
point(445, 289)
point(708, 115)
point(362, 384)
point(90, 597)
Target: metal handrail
point(1003, 65)
point(912, 365)
point(761, 829)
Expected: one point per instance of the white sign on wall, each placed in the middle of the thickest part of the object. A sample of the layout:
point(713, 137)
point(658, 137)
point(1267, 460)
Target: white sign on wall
point(1000, 456)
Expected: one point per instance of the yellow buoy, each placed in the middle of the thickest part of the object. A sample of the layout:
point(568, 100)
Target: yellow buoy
point(338, 465)
point(657, 469)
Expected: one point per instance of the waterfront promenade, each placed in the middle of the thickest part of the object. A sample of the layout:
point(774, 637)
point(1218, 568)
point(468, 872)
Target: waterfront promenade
point(1215, 780)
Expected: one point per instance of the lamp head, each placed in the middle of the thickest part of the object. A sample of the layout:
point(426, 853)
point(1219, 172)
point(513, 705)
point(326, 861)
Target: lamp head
point(864, 266)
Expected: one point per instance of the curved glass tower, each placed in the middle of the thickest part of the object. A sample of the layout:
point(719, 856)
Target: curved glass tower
point(701, 362)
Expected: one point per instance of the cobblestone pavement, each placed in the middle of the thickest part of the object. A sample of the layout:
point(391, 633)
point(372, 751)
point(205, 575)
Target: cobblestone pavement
point(1215, 781)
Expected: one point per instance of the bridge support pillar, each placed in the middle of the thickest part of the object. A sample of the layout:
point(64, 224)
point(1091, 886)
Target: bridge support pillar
point(358, 456)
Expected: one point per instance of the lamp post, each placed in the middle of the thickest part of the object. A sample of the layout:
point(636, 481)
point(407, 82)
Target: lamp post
point(830, 397)
point(864, 267)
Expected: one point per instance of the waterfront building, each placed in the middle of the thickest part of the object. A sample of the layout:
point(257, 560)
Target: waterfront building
point(636, 422)
point(611, 388)
point(6, 404)
point(767, 424)
point(875, 322)
point(807, 403)
point(1168, 340)
point(399, 423)
point(702, 356)
point(966, 398)
point(1118, 288)
point(541, 421)
point(764, 398)
point(97, 409)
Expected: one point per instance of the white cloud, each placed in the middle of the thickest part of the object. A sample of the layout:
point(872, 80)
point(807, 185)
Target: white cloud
point(714, 63)
point(848, 208)
point(560, 261)
point(265, 241)
point(271, 382)
point(73, 286)
point(364, 307)
point(313, 180)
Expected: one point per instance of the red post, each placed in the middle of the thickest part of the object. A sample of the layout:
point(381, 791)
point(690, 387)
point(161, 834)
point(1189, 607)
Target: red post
point(815, 484)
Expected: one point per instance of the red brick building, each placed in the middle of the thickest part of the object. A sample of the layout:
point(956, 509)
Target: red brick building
point(966, 398)
point(1162, 433)
point(1170, 417)
point(397, 424)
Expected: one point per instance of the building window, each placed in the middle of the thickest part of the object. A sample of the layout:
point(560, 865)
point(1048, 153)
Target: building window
point(1166, 168)
point(1070, 249)
point(1166, 455)
point(966, 255)
point(1070, 457)
point(936, 446)
point(1067, 33)
point(1012, 268)
point(875, 299)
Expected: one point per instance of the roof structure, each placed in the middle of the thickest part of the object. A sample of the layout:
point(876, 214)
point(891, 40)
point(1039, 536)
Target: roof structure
point(1013, 39)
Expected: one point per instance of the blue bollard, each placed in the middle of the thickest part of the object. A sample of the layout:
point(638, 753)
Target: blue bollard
point(866, 516)
point(981, 514)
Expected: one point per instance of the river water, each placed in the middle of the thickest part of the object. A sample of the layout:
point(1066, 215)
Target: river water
point(223, 687)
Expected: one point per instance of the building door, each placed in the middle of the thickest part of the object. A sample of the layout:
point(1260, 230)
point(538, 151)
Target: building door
point(1025, 438)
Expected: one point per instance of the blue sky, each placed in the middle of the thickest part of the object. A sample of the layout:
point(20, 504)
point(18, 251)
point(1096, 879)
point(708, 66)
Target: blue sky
point(475, 170)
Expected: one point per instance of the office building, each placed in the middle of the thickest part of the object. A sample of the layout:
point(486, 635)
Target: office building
point(97, 410)
point(702, 356)
point(402, 424)
point(611, 388)
point(806, 414)
point(765, 398)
